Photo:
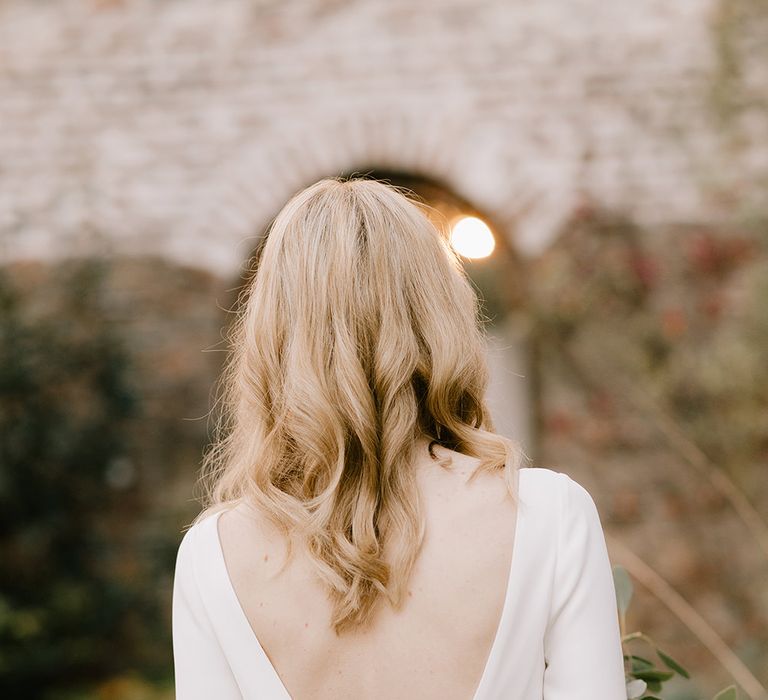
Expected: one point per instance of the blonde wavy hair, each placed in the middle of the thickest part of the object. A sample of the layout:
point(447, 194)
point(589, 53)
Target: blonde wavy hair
point(358, 334)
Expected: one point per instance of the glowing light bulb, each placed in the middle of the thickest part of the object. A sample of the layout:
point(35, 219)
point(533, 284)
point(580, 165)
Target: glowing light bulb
point(472, 238)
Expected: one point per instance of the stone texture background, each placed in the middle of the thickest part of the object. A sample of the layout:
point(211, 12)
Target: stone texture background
point(180, 127)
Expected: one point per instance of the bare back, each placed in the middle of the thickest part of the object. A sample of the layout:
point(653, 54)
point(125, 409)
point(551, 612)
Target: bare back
point(435, 647)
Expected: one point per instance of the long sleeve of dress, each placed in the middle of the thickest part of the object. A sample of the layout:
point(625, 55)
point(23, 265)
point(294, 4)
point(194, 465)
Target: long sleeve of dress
point(201, 668)
point(582, 645)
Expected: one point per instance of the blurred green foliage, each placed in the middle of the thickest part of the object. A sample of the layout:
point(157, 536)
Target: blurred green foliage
point(76, 603)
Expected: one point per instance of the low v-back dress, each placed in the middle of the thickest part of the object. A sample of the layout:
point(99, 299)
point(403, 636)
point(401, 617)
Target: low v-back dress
point(557, 638)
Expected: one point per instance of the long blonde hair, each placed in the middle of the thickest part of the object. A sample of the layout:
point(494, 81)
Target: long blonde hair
point(357, 334)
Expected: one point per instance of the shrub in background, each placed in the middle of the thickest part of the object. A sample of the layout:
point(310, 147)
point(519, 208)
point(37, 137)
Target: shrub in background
point(74, 607)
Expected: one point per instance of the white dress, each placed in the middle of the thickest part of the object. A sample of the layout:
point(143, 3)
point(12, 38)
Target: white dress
point(557, 639)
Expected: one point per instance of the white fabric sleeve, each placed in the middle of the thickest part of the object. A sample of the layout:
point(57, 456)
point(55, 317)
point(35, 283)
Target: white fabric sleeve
point(582, 645)
point(200, 667)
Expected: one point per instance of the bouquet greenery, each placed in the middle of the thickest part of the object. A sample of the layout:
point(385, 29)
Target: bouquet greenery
point(644, 678)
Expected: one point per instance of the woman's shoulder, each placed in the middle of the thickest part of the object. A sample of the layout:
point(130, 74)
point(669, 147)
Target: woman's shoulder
point(192, 538)
point(198, 555)
point(551, 493)
point(543, 483)
point(552, 480)
point(200, 538)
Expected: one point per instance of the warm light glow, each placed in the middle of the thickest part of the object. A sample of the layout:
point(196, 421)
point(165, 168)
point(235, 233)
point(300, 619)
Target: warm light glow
point(472, 238)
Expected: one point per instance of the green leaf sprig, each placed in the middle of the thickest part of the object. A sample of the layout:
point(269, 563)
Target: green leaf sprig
point(644, 679)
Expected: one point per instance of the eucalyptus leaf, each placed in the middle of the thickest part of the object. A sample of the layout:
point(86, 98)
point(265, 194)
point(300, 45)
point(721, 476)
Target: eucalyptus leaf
point(729, 693)
point(671, 663)
point(638, 662)
point(623, 586)
point(653, 674)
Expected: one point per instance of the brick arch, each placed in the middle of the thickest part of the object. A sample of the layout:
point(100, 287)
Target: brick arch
point(454, 148)
point(260, 178)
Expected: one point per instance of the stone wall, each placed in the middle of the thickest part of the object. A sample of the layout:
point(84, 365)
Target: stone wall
point(181, 127)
